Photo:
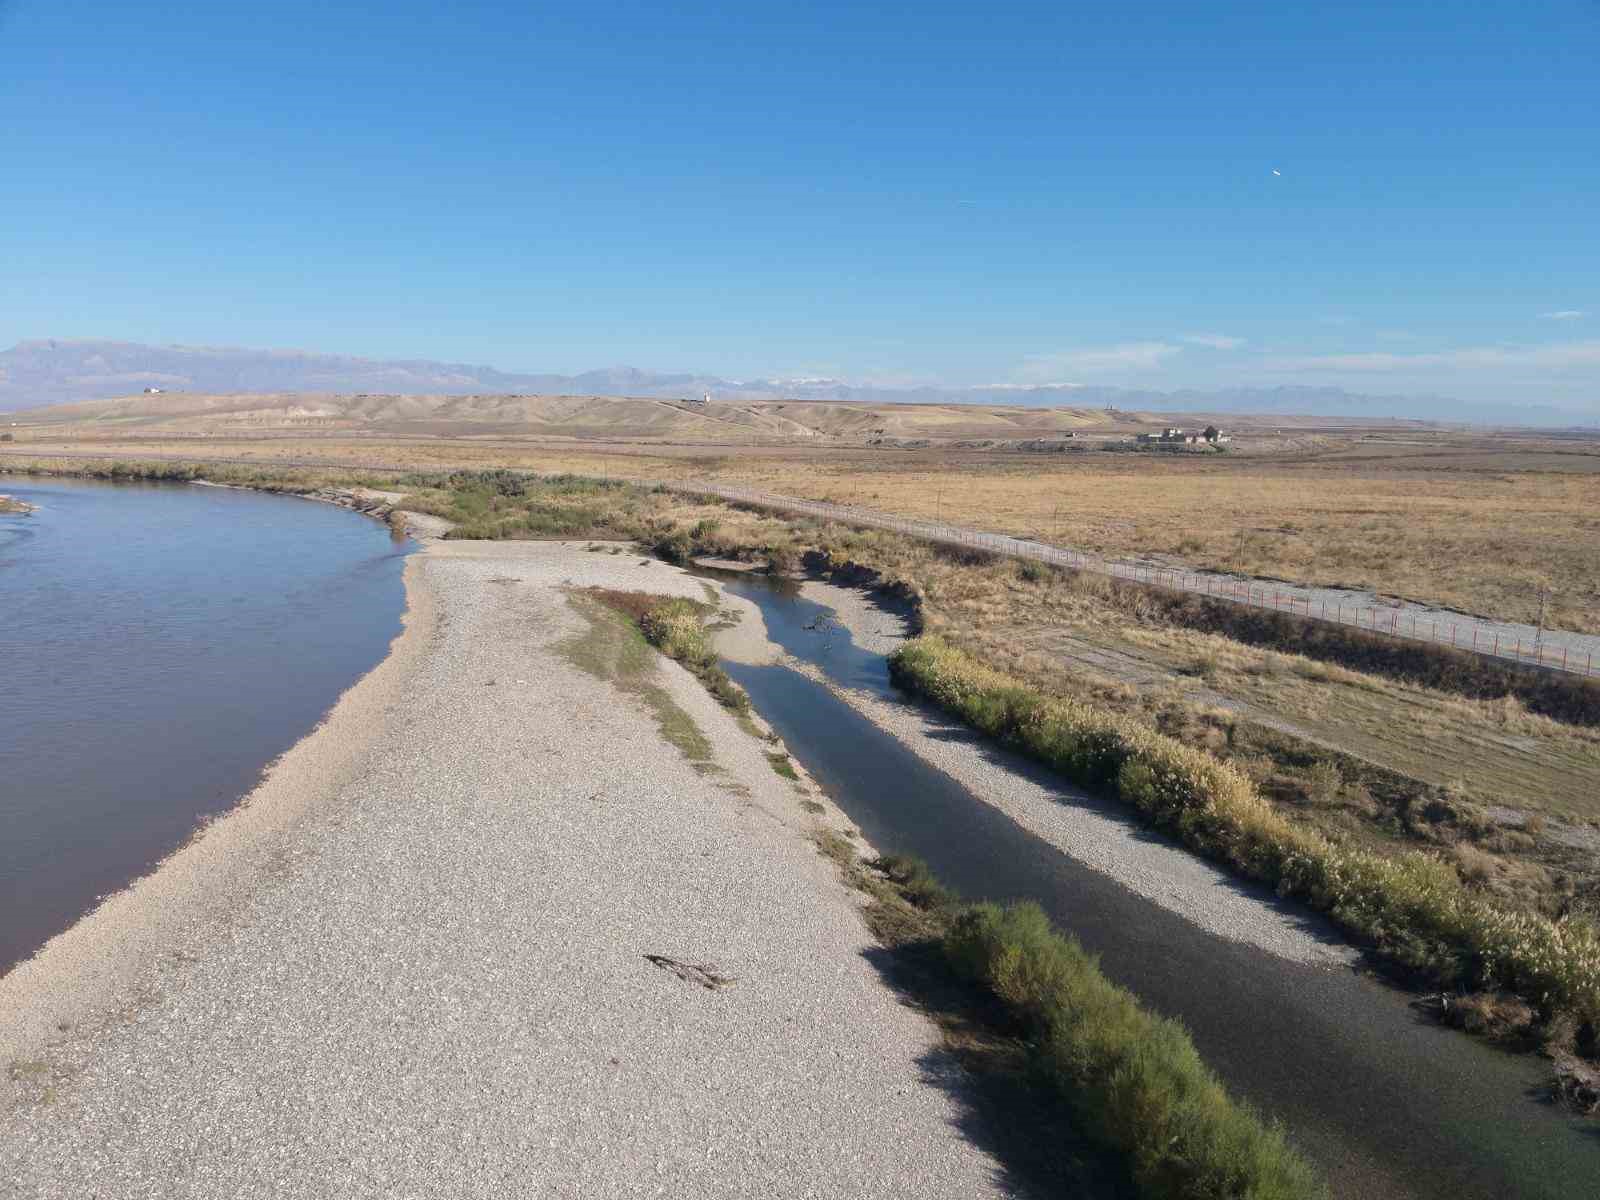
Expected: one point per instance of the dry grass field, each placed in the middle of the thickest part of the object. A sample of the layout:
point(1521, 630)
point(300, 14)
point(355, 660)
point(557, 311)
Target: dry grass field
point(1468, 522)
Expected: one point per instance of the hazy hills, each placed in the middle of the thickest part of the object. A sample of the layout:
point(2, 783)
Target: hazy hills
point(577, 417)
point(34, 374)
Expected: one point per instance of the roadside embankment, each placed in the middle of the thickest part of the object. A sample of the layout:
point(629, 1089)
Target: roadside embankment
point(487, 929)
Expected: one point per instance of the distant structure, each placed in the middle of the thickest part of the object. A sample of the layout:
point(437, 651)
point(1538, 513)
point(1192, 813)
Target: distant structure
point(152, 391)
point(1173, 436)
point(706, 399)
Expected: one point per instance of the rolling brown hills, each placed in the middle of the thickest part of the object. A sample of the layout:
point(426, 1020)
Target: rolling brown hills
point(624, 417)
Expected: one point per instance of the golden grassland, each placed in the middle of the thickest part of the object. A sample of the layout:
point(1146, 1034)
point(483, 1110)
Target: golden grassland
point(1478, 542)
point(1482, 532)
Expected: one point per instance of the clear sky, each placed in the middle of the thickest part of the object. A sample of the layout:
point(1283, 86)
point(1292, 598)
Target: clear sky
point(1381, 196)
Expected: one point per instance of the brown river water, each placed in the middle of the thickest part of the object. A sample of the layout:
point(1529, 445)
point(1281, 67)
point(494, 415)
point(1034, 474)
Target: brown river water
point(159, 645)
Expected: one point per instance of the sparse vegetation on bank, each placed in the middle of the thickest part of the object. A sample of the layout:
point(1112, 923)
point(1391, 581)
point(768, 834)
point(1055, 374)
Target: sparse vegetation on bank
point(284, 480)
point(613, 649)
point(1025, 1006)
point(1412, 907)
point(498, 505)
point(677, 627)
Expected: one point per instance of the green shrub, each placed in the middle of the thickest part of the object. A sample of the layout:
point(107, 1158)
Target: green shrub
point(677, 629)
point(1134, 1078)
point(676, 546)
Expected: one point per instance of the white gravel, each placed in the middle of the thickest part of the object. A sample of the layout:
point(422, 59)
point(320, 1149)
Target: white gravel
point(424, 974)
point(1096, 832)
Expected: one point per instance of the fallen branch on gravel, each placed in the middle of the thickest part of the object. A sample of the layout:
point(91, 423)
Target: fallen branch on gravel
point(705, 976)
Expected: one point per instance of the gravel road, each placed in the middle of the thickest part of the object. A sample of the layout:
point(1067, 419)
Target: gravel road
point(415, 964)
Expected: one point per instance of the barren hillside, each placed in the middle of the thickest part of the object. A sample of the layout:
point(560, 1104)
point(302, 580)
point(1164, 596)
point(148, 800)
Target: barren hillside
point(568, 416)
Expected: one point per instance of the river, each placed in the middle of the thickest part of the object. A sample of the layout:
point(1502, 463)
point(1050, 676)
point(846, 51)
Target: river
point(160, 644)
point(1389, 1104)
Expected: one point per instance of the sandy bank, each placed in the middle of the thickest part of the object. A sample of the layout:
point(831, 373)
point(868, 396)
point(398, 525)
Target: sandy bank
point(415, 962)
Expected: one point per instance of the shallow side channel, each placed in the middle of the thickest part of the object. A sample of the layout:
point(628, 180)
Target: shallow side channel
point(1387, 1103)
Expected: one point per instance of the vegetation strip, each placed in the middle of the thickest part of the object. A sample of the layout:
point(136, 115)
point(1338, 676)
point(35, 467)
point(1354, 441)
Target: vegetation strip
point(676, 627)
point(1411, 906)
point(1102, 1069)
point(612, 649)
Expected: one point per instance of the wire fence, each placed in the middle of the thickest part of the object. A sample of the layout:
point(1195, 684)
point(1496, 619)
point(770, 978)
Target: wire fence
point(1485, 638)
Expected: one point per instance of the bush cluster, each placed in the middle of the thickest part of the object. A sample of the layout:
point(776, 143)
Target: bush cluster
point(1134, 1078)
point(1411, 906)
point(500, 504)
point(677, 629)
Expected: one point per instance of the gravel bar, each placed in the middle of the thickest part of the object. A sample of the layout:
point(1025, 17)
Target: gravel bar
point(416, 962)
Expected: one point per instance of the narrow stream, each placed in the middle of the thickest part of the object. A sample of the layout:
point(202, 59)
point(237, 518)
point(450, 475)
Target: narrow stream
point(1389, 1104)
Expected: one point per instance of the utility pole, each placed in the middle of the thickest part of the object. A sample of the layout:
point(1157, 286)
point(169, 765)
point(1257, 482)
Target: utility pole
point(1538, 637)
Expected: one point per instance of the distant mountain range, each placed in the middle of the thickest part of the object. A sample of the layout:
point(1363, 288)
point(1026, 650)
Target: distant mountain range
point(44, 372)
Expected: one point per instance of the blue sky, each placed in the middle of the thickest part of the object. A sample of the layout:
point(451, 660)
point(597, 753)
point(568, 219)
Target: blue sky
point(1384, 196)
